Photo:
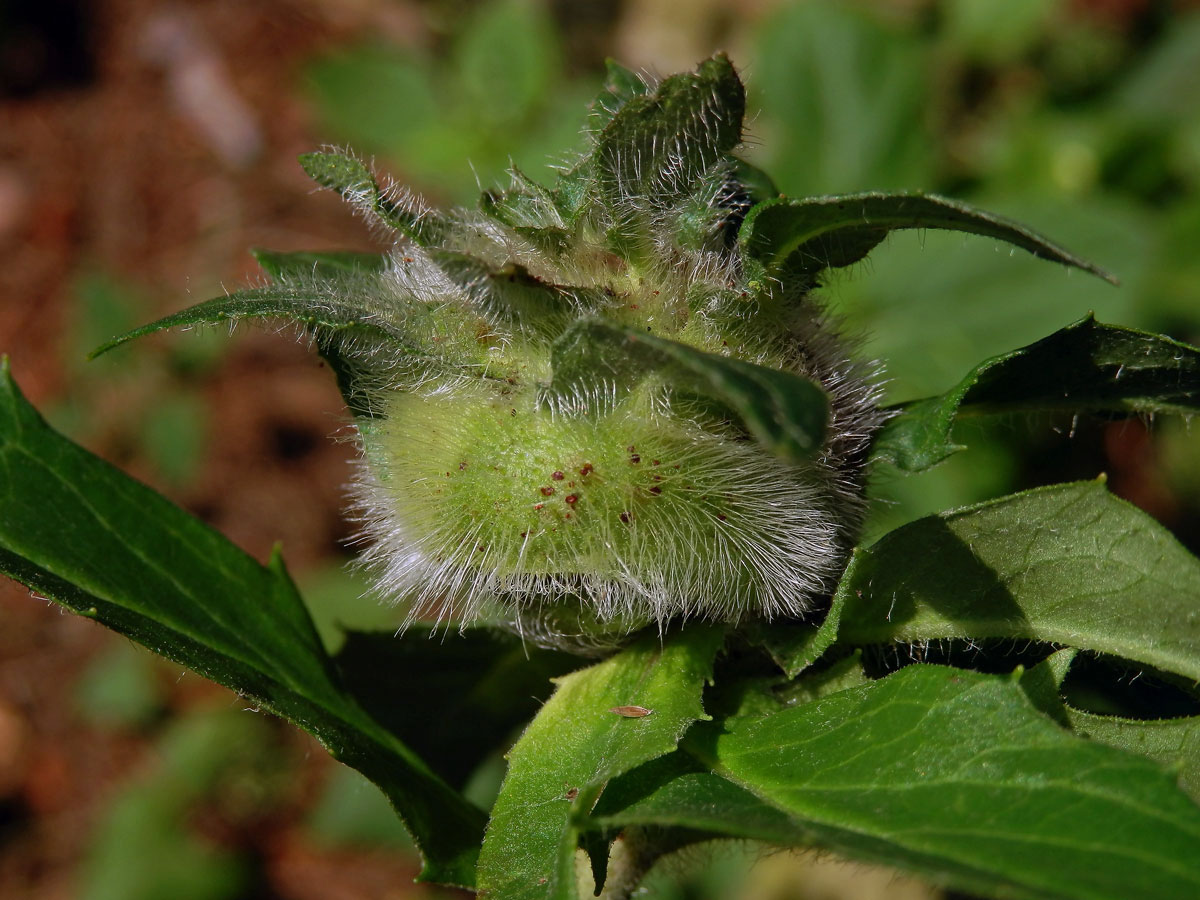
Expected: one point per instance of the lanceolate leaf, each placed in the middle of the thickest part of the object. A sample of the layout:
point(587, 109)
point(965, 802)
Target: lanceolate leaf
point(354, 181)
point(318, 306)
point(805, 237)
point(787, 413)
point(1087, 366)
point(1068, 564)
point(82, 533)
point(576, 744)
point(955, 775)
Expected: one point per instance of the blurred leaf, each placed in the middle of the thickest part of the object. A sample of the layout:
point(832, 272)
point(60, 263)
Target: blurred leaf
point(143, 848)
point(103, 307)
point(1068, 564)
point(79, 531)
point(573, 748)
point(120, 688)
point(955, 775)
point(174, 433)
point(1164, 87)
point(506, 59)
point(843, 99)
point(996, 32)
point(1085, 367)
point(808, 236)
point(786, 413)
point(375, 97)
point(351, 812)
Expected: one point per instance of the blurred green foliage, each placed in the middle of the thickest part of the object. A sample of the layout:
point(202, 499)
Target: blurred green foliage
point(498, 97)
point(146, 847)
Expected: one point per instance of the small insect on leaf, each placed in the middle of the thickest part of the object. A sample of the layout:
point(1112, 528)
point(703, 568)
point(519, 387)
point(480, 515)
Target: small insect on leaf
point(631, 712)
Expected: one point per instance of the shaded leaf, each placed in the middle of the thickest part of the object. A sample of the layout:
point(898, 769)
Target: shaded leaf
point(1068, 564)
point(786, 413)
point(1085, 367)
point(955, 775)
point(82, 533)
point(805, 237)
point(357, 185)
point(453, 698)
point(575, 745)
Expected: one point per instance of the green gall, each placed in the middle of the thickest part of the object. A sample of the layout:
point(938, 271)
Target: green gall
point(609, 403)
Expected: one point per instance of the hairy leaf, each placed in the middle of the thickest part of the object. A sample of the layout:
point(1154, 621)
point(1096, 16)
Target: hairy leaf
point(354, 181)
point(658, 145)
point(576, 744)
point(319, 306)
point(317, 264)
point(786, 413)
point(1068, 564)
point(955, 775)
point(1087, 366)
point(805, 237)
point(1173, 742)
point(79, 531)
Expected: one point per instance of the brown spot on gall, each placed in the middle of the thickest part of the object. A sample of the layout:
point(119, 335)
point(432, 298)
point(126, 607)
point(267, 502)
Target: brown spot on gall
point(587, 470)
point(654, 462)
point(462, 466)
point(538, 505)
point(571, 499)
point(625, 517)
point(558, 476)
point(635, 459)
point(656, 490)
point(721, 516)
point(546, 491)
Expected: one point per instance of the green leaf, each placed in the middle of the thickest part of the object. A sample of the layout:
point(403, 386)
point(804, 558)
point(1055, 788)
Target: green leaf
point(954, 774)
point(84, 534)
point(317, 264)
point(795, 647)
point(658, 145)
point(1068, 564)
point(620, 86)
point(787, 413)
point(318, 306)
point(1173, 742)
point(507, 61)
point(1085, 367)
point(452, 698)
point(509, 295)
point(354, 181)
point(844, 98)
point(576, 745)
point(805, 237)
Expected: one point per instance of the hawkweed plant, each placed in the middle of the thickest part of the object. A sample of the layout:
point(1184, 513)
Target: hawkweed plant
point(612, 418)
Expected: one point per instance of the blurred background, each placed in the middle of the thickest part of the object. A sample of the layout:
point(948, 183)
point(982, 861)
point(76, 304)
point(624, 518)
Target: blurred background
point(144, 146)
